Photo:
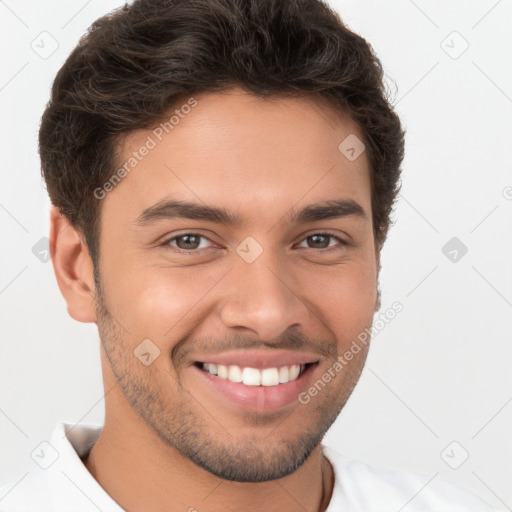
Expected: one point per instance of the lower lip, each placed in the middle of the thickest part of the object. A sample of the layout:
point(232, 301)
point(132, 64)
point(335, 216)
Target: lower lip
point(259, 398)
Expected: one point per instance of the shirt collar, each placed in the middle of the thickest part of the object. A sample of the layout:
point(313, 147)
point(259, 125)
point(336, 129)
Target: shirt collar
point(71, 485)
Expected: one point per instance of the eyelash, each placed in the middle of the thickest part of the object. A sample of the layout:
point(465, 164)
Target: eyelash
point(190, 251)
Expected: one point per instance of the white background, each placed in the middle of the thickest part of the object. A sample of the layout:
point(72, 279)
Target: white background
point(439, 372)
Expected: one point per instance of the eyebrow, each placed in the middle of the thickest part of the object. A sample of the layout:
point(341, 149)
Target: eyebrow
point(169, 209)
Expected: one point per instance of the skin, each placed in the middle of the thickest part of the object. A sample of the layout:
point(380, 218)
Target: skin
point(168, 443)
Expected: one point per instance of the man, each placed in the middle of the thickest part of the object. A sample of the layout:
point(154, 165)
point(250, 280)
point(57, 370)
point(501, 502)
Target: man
point(222, 174)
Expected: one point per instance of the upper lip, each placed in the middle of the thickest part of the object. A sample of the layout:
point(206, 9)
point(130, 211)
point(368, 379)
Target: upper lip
point(257, 358)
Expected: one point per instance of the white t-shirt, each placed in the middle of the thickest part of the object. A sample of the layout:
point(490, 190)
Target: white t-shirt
point(61, 482)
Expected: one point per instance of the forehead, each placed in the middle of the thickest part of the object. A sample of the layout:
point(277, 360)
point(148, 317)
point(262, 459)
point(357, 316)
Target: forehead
point(242, 151)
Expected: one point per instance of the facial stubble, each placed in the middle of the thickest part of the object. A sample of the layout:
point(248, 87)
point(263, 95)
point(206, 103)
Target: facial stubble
point(265, 451)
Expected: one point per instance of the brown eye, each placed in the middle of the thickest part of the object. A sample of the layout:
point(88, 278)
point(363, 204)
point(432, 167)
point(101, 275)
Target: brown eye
point(187, 241)
point(321, 241)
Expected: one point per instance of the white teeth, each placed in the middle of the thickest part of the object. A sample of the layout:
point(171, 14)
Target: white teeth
point(253, 376)
point(284, 374)
point(270, 377)
point(235, 374)
point(222, 371)
point(294, 371)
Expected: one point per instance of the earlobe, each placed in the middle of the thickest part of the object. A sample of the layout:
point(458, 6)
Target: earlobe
point(73, 267)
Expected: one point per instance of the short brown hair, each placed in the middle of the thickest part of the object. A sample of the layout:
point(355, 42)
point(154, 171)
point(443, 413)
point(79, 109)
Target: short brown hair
point(137, 62)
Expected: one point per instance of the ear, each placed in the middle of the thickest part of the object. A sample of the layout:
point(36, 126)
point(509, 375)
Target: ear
point(73, 267)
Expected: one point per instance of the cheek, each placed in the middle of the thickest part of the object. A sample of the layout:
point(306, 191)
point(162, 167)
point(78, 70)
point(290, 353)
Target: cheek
point(162, 303)
point(344, 300)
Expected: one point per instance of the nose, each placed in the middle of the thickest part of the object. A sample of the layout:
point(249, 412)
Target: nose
point(262, 297)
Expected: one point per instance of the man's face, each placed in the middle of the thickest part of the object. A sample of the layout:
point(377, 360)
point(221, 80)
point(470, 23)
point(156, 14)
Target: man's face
point(273, 289)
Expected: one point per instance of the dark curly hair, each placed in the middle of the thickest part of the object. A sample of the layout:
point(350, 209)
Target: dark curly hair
point(139, 61)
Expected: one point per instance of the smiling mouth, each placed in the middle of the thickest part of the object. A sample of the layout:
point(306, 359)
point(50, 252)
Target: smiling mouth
point(272, 376)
